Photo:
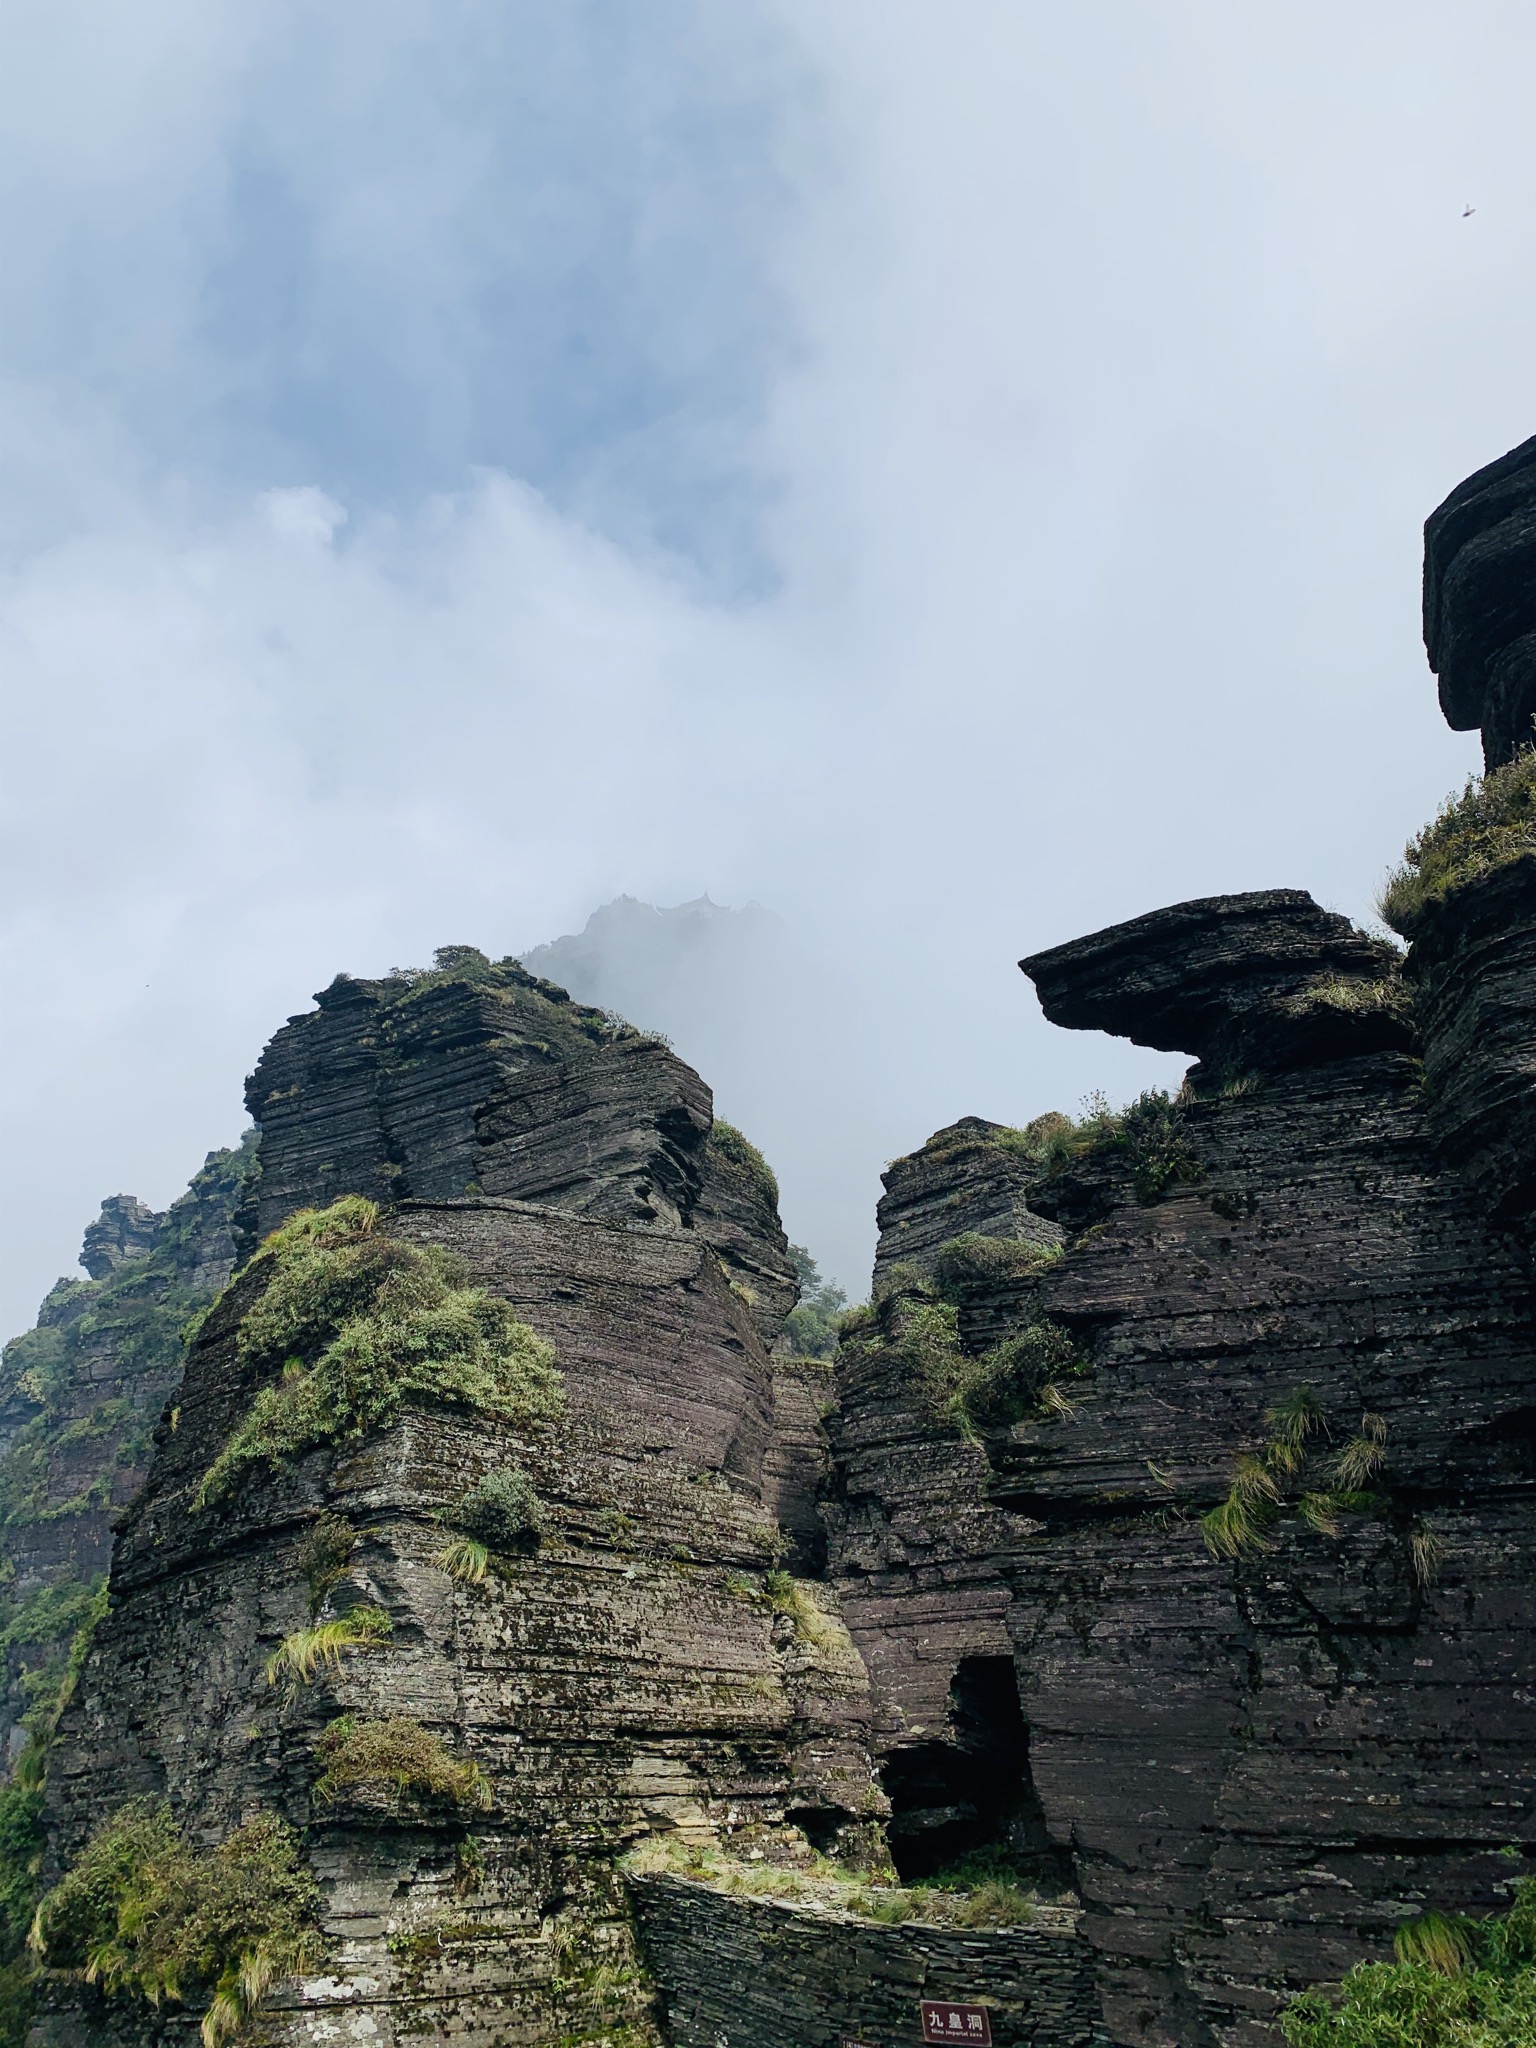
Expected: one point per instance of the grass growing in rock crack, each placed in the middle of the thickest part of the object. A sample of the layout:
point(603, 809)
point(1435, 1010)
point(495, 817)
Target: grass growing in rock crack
point(300, 1656)
point(354, 1325)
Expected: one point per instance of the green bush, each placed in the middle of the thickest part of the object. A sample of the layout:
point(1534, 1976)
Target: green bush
point(1493, 821)
point(142, 1911)
point(1461, 1984)
point(400, 1756)
point(357, 1325)
point(1009, 1382)
point(501, 1510)
point(1015, 1379)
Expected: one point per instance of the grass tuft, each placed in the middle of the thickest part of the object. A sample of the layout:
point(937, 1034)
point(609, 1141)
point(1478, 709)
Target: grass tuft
point(465, 1559)
point(310, 1650)
point(1425, 1551)
point(1437, 1942)
point(1365, 1454)
point(400, 1755)
point(1492, 822)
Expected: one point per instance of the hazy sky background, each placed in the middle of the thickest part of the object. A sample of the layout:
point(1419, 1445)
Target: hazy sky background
point(952, 475)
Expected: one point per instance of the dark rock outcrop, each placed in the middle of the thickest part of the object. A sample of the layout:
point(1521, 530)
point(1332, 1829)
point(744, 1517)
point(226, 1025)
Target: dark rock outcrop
point(1480, 602)
point(1473, 967)
point(973, 1176)
point(1260, 1762)
point(1256, 982)
point(479, 1078)
point(643, 1668)
point(79, 1395)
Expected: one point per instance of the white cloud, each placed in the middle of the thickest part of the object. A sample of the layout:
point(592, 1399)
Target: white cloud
point(303, 514)
point(1130, 347)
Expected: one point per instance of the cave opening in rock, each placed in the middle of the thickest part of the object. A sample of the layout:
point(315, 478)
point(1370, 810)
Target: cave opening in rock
point(972, 1791)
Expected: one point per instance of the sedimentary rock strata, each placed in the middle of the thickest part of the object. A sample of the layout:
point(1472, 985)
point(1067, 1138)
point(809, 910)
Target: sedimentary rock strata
point(1480, 602)
point(1163, 1537)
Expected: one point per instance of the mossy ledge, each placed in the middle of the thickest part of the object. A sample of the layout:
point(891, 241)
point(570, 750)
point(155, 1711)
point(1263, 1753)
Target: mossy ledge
point(356, 1325)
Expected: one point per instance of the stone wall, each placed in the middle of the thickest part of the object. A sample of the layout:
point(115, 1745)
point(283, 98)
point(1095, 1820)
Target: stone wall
point(757, 1973)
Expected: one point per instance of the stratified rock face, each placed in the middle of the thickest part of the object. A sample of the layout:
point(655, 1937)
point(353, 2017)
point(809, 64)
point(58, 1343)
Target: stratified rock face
point(481, 1079)
point(1261, 981)
point(619, 1679)
point(1260, 1762)
point(79, 1396)
point(1473, 965)
point(1480, 602)
point(125, 1229)
point(971, 1176)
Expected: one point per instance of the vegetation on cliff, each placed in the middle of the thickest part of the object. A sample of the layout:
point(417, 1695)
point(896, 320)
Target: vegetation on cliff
point(1456, 1983)
point(1148, 1132)
point(398, 1756)
point(356, 1325)
point(1492, 822)
point(143, 1911)
point(1015, 1379)
point(740, 1151)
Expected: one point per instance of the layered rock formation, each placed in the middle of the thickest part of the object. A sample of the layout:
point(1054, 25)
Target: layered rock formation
point(1164, 1535)
point(636, 1665)
point(79, 1396)
point(1260, 1554)
point(1480, 602)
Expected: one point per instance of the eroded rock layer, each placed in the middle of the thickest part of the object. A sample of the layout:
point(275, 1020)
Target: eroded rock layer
point(1268, 1738)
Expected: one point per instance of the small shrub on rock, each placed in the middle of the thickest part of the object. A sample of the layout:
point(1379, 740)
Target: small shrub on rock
point(1010, 1381)
point(400, 1756)
point(502, 1510)
point(144, 1912)
point(973, 1261)
point(325, 1554)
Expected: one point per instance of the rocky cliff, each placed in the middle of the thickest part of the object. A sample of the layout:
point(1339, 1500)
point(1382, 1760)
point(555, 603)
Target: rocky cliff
point(511, 1641)
point(79, 1396)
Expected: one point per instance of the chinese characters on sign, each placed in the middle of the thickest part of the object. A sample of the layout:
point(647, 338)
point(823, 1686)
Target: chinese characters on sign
point(943, 2021)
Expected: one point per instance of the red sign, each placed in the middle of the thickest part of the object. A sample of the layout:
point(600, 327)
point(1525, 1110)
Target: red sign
point(943, 2021)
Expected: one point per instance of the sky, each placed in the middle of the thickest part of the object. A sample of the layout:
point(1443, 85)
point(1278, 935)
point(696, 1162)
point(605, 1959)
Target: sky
point(950, 476)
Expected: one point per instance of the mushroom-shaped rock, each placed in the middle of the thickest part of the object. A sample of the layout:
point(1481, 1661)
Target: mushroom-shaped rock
point(1263, 980)
point(1480, 602)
